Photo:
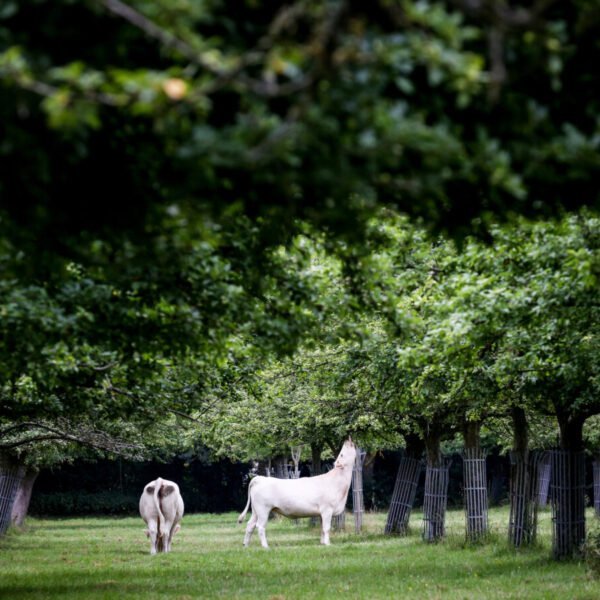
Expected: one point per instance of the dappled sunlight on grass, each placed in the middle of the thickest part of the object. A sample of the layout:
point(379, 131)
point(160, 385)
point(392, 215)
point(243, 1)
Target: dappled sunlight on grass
point(109, 558)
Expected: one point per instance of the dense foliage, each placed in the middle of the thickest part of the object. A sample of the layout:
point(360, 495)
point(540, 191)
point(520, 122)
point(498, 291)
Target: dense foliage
point(189, 193)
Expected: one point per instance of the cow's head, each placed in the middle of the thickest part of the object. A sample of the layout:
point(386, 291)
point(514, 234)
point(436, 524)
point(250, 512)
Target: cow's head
point(347, 455)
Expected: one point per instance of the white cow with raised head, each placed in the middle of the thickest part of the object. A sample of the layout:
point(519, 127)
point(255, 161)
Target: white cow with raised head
point(161, 506)
point(322, 495)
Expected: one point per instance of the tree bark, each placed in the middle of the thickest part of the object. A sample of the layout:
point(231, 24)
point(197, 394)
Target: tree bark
point(23, 497)
point(571, 432)
point(415, 445)
point(433, 440)
point(472, 434)
point(315, 450)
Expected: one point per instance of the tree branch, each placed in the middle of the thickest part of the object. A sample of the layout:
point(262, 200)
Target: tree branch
point(151, 29)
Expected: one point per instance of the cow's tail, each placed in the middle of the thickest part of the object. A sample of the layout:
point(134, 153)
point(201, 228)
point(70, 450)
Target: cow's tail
point(243, 515)
point(161, 523)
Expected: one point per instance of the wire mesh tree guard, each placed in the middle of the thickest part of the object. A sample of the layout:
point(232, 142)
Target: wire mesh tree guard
point(358, 500)
point(567, 490)
point(524, 496)
point(596, 475)
point(435, 501)
point(544, 475)
point(403, 496)
point(475, 493)
point(10, 479)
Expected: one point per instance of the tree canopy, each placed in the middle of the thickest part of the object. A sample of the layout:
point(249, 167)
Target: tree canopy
point(170, 174)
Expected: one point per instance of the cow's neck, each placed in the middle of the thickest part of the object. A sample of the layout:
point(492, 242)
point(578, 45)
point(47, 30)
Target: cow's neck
point(344, 474)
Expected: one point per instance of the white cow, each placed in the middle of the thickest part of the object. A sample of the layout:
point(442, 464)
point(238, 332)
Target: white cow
point(161, 506)
point(322, 495)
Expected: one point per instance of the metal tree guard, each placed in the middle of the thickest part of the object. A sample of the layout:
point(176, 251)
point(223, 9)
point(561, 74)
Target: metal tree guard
point(403, 497)
point(544, 475)
point(475, 490)
point(596, 473)
point(525, 486)
point(435, 501)
point(358, 501)
point(568, 502)
point(10, 479)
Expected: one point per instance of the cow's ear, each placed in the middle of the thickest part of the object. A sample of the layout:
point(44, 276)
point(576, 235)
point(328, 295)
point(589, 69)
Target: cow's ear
point(167, 489)
point(150, 489)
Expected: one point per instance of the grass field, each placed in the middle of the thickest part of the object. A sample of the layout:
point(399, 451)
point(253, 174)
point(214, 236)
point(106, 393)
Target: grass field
point(109, 558)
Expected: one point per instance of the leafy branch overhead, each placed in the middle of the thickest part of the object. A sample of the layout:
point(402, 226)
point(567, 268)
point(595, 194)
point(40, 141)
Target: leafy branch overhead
point(319, 110)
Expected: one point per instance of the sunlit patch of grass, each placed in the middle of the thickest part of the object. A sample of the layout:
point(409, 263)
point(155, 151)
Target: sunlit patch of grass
point(109, 558)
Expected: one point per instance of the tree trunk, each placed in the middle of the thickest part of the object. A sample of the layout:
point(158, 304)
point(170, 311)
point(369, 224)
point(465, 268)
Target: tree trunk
point(23, 497)
point(568, 488)
point(315, 450)
point(433, 441)
point(405, 488)
point(472, 434)
point(475, 482)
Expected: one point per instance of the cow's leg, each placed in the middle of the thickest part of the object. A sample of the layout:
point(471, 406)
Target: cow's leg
point(262, 516)
point(173, 531)
point(250, 529)
point(325, 526)
point(153, 534)
point(166, 536)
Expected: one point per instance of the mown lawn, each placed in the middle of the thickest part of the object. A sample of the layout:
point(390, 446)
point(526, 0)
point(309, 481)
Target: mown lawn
point(109, 558)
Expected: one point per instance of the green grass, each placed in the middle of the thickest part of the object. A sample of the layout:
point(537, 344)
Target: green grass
point(109, 558)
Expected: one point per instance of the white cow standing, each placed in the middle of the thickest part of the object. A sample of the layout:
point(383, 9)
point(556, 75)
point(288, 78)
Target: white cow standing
point(322, 495)
point(161, 506)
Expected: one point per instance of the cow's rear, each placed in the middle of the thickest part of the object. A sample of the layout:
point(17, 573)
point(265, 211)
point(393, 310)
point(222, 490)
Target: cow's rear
point(161, 507)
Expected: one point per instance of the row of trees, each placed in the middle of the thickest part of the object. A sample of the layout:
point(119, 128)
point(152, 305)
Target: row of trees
point(440, 342)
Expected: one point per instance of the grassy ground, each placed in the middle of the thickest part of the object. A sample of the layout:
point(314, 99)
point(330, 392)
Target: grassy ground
point(109, 558)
